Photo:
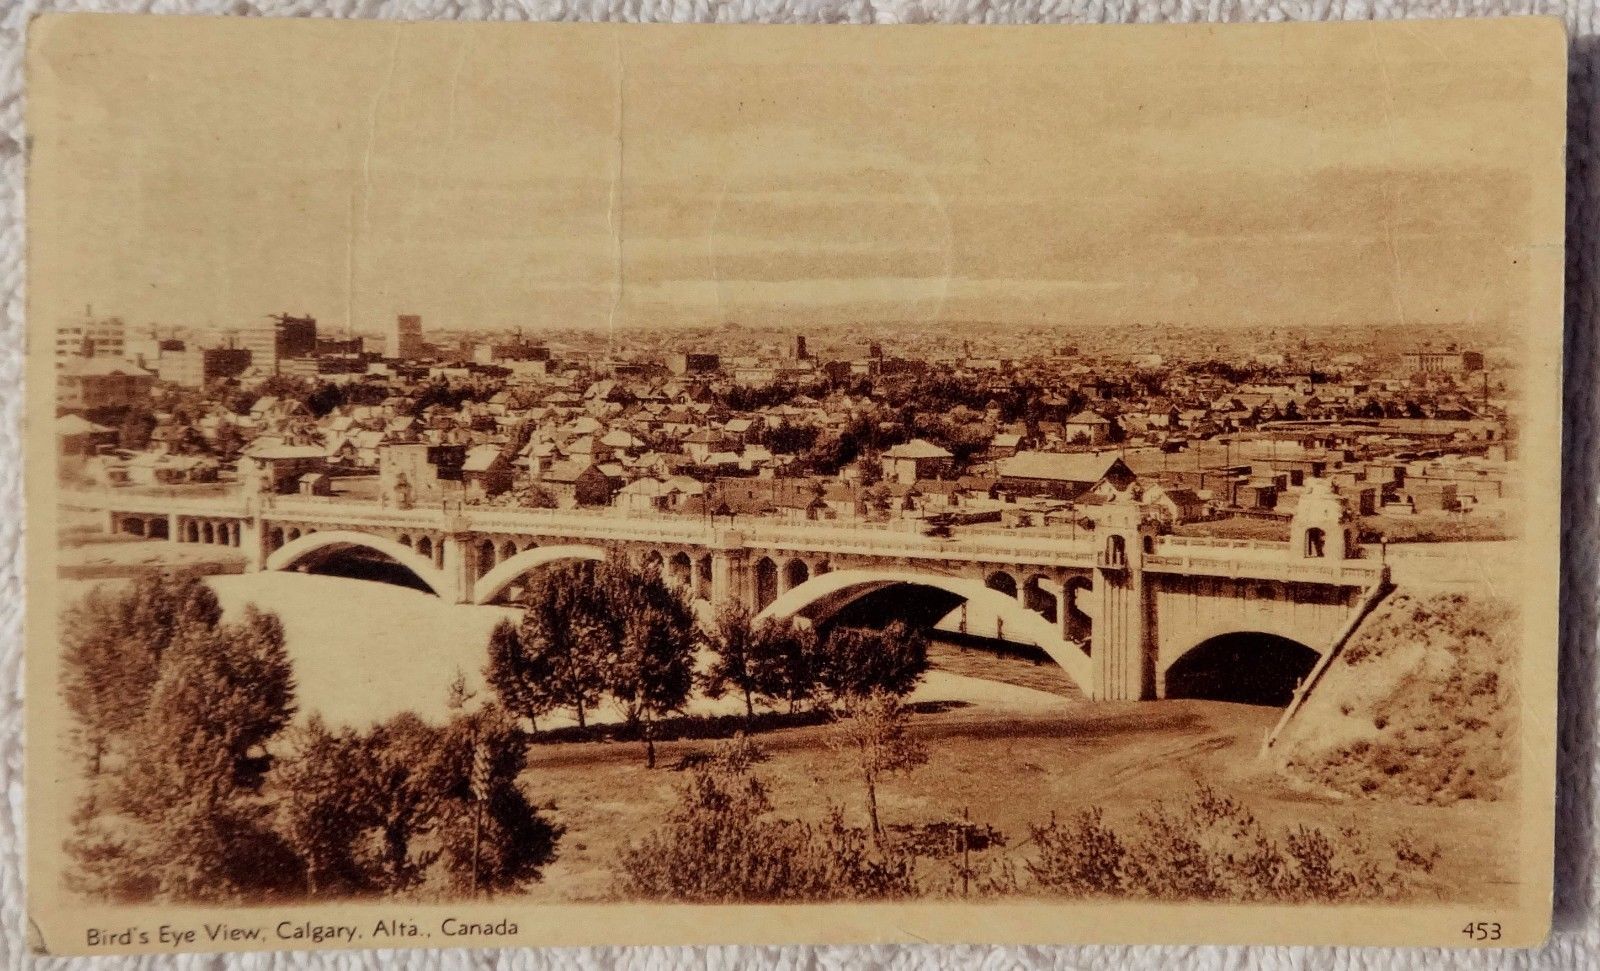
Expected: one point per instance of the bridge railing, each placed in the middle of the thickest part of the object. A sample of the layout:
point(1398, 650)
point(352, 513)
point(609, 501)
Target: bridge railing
point(1209, 543)
point(150, 502)
point(1353, 573)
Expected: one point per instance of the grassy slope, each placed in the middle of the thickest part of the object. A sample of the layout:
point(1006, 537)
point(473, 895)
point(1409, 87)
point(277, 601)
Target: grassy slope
point(1419, 707)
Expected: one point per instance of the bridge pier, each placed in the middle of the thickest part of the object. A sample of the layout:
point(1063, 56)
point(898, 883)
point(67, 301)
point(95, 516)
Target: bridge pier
point(252, 534)
point(730, 580)
point(457, 562)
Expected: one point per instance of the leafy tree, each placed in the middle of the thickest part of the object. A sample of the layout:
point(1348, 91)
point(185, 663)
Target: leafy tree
point(653, 669)
point(284, 386)
point(222, 694)
point(492, 838)
point(775, 660)
point(398, 779)
point(559, 655)
point(788, 662)
point(112, 646)
point(194, 826)
point(733, 639)
point(326, 807)
point(791, 439)
point(876, 733)
point(324, 398)
point(856, 663)
point(228, 442)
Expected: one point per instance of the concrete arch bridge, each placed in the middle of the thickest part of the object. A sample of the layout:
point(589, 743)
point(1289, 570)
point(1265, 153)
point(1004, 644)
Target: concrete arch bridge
point(1127, 613)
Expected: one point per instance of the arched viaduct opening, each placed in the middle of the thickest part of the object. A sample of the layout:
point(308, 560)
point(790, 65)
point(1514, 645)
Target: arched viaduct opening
point(506, 580)
point(875, 598)
point(1247, 667)
point(357, 556)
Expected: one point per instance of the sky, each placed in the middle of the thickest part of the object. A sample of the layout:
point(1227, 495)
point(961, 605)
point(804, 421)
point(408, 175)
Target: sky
point(204, 173)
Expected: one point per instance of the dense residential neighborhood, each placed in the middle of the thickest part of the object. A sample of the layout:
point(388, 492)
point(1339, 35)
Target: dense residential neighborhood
point(910, 431)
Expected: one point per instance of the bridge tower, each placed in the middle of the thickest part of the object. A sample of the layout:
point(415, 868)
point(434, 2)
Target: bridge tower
point(1122, 658)
point(1322, 527)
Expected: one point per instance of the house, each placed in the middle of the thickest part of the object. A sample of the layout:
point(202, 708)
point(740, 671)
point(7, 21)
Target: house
point(315, 484)
point(917, 459)
point(573, 483)
point(101, 383)
point(1087, 427)
point(1004, 445)
point(76, 435)
point(1174, 504)
point(276, 468)
point(485, 472)
point(1064, 475)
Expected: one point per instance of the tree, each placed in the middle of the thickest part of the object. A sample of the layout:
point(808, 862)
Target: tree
point(491, 837)
point(398, 779)
point(856, 663)
point(559, 655)
point(876, 732)
point(327, 807)
point(222, 695)
point(653, 669)
point(194, 824)
point(228, 442)
point(733, 640)
point(112, 646)
point(788, 661)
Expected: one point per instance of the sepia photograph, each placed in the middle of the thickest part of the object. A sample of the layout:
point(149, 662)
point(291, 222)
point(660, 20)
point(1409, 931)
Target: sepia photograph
point(509, 485)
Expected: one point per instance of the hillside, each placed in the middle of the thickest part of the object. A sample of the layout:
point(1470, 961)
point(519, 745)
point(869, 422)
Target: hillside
point(1419, 706)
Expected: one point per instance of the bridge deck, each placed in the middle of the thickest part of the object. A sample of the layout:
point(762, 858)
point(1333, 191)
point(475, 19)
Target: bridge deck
point(1185, 555)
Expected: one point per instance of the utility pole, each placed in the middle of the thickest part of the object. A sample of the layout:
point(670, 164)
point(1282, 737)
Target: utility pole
point(479, 780)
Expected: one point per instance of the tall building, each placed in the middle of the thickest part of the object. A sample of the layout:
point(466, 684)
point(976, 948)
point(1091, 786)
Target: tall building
point(106, 337)
point(405, 337)
point(797, 348)
point(261, 340)
point(277, 338)
point(196, 367)
point(296, 336)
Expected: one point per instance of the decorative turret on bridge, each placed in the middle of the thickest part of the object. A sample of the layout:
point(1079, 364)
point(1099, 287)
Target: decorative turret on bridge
point(1322, 527)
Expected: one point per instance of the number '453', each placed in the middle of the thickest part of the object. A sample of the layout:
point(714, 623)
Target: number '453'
point(1482, 931)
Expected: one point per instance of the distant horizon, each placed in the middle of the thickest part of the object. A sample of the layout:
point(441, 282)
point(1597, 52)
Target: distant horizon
point(629, 179)
point(801, 327)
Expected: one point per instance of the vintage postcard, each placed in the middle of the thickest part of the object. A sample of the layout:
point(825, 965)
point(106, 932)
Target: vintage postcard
point(523, 485)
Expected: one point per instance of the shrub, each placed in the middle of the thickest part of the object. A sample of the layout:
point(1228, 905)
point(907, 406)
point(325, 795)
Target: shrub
point(718, 846)
point(1213, 848)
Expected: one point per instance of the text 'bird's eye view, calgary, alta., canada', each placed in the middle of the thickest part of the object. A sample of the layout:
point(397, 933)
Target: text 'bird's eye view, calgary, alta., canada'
point(515, 485)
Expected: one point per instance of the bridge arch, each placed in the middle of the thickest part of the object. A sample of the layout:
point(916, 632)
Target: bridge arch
point(796, 572)
point(1002, 582)
point(823, 597)
point(494, 583)
point(680, 570)
point(1253, 667)
point(312, 545)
